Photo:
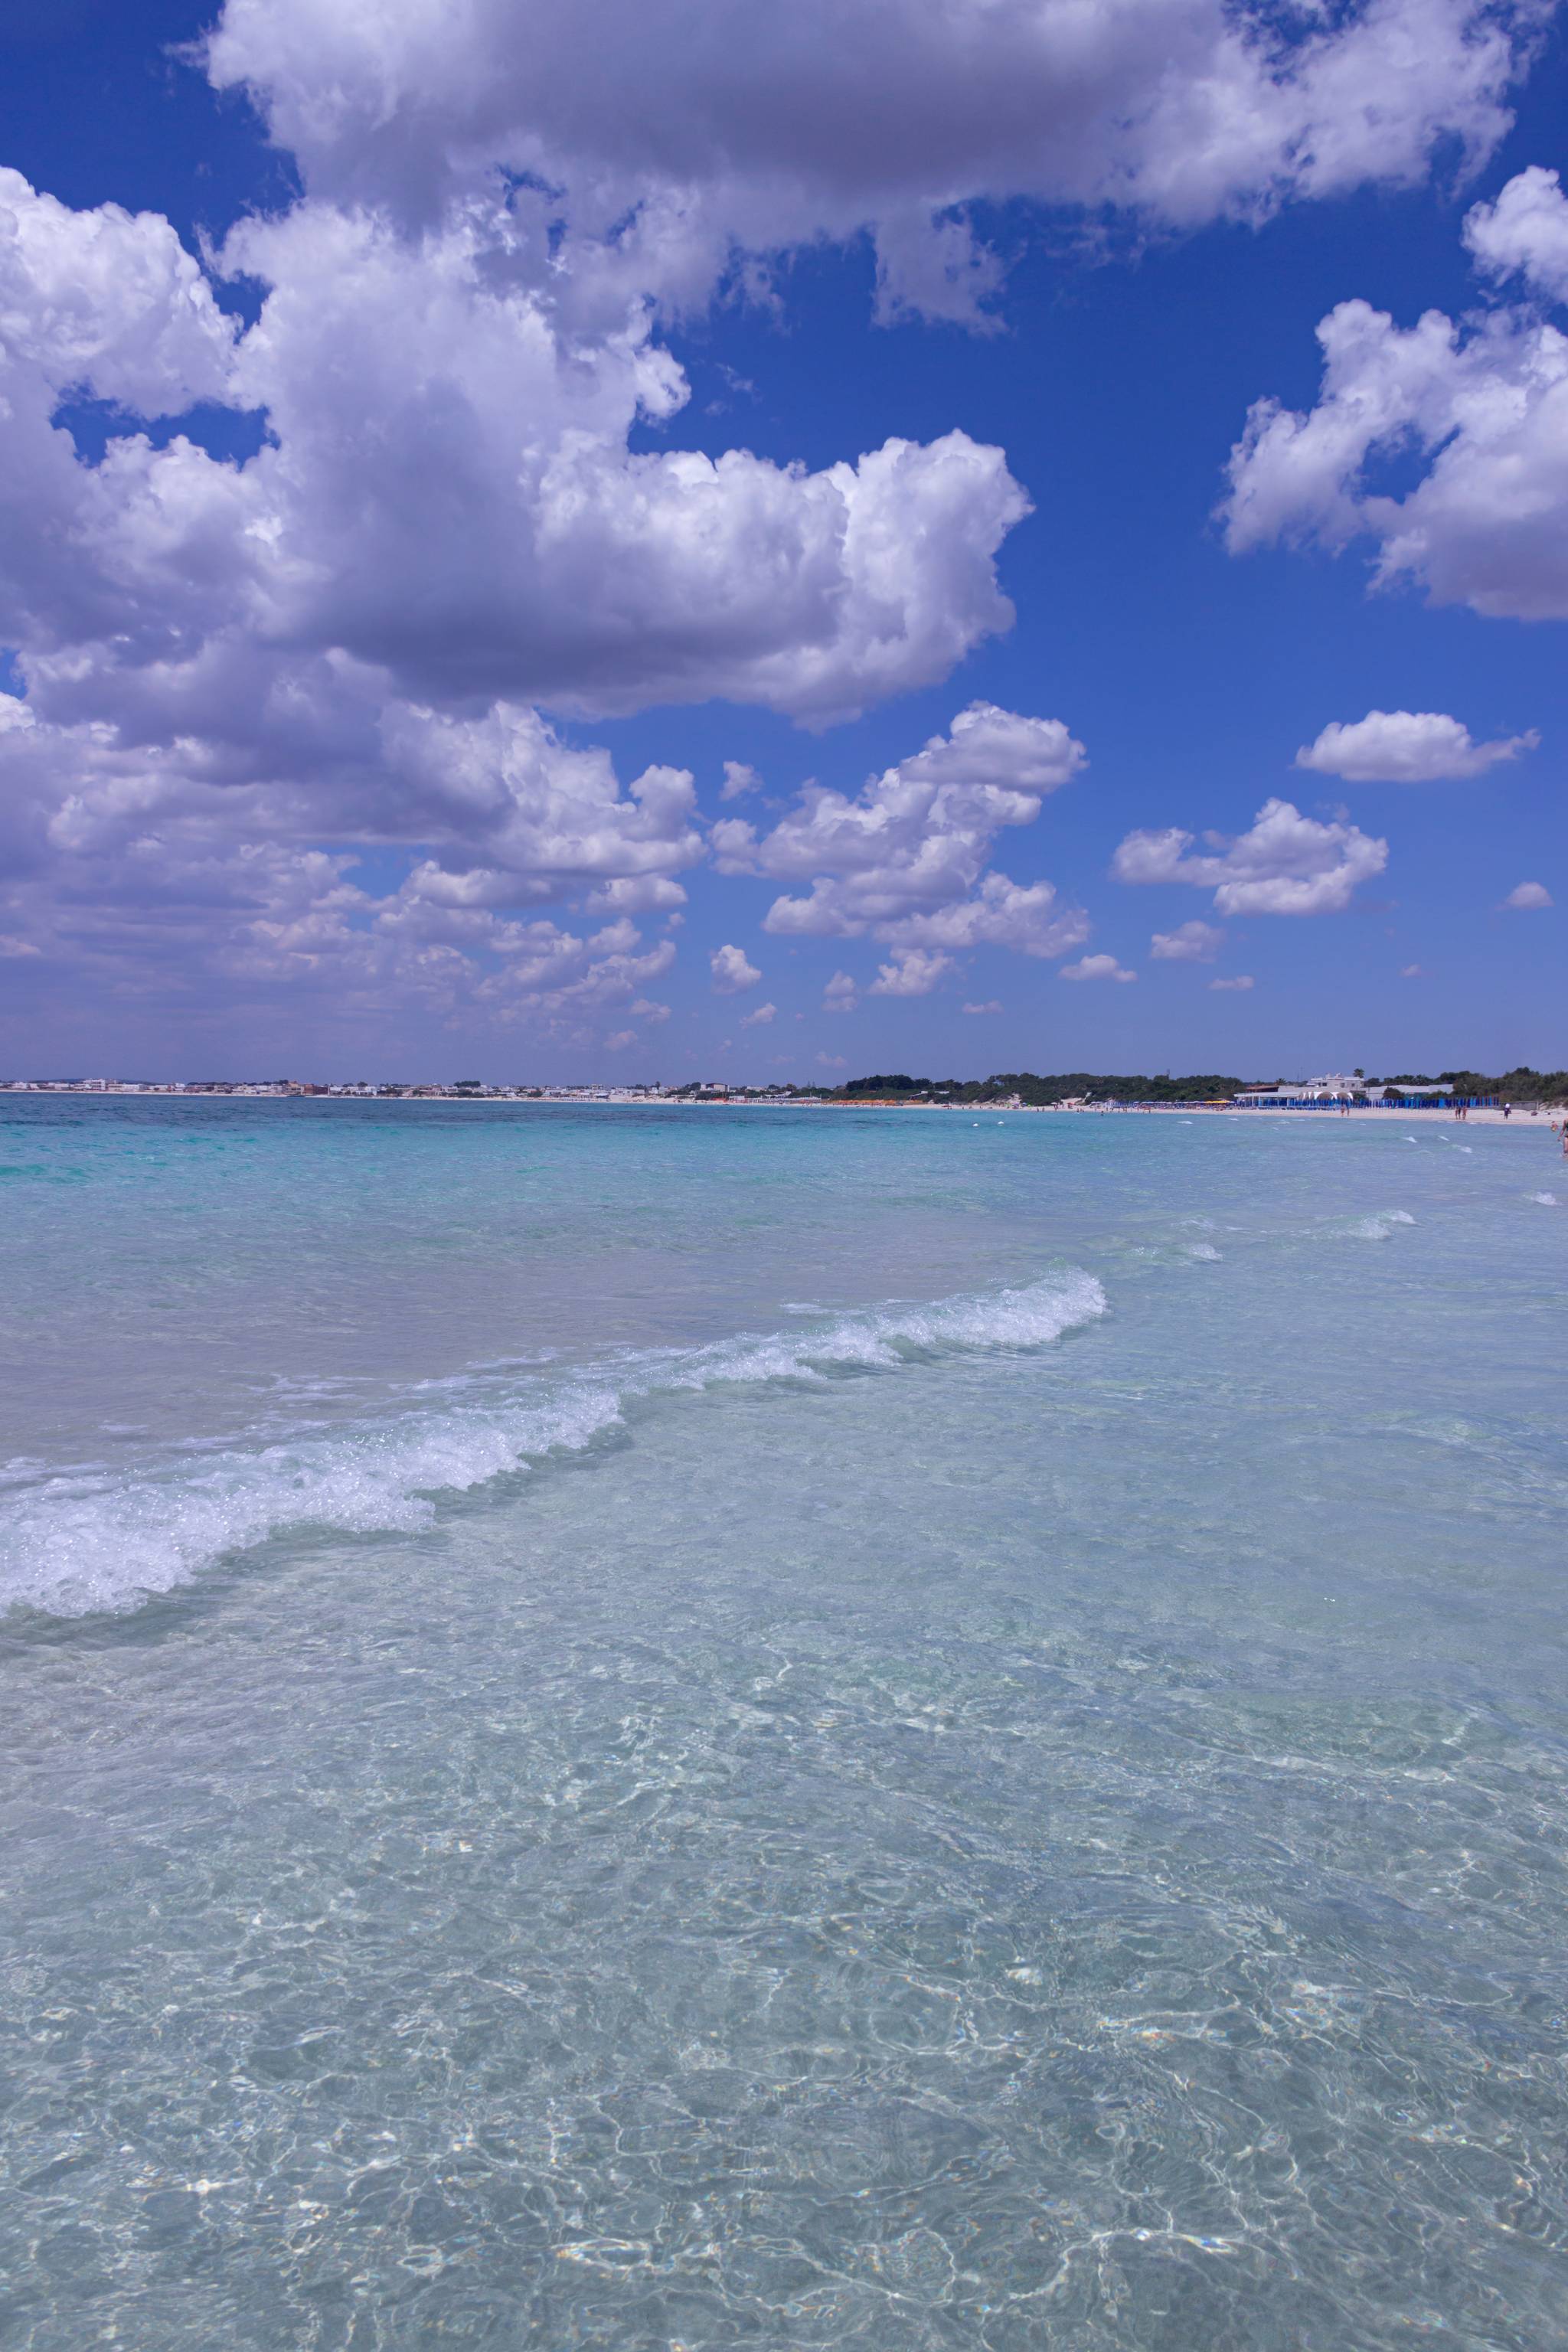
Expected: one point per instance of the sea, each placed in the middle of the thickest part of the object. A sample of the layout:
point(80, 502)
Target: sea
point(672, 1729)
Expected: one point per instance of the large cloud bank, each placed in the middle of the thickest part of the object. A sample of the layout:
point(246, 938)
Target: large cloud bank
point(347, 636)
point(466, 503)
point(733, 125)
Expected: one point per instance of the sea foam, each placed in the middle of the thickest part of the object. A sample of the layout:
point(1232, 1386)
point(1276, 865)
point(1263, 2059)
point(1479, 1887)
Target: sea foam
point(1377, 1227)
point(75, 1543)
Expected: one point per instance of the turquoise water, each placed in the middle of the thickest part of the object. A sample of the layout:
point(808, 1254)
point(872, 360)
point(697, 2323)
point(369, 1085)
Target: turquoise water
point(667, 1729)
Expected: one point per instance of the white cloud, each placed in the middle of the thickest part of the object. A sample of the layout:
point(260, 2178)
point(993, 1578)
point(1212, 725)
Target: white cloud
point(761, 1018)
point(619, 1039)
point(345, 637)
point(244, 920)
point(904, 860)
point(106, 834)
point(1188, 943)
point(739, 780)
point(1242, 980)
point(914, 972)
point(1097, 967)
point(987, 747)
point(1481, 406)
point(931, 266)
point(991, 1005)
point(833, 1061)
point(1411, 971)
point(1525, 896)
point(455, 519)
point(468, 543)
point(1001, 914)
point(1407, 747)
point(540, 807)
point(109, 304)
point(1524, 232)
point(841, 994)
point(635, 894)
point(732, 972)
point(1286, 864)
point(821, 123)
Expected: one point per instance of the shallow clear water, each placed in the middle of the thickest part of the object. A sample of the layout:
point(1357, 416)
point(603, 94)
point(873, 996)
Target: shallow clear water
point(673, 1728)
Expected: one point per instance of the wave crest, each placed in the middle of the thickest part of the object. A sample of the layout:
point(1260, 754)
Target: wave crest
point(73, 1545)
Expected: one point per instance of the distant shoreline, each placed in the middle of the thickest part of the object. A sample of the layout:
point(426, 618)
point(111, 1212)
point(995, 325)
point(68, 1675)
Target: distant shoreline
point(1546, 1118)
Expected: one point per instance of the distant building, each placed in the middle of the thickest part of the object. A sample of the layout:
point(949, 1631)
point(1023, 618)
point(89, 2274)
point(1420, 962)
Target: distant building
point(1329, 1092)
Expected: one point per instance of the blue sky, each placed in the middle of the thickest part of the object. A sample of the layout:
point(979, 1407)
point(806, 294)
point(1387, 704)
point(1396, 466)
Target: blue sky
point(384, 636)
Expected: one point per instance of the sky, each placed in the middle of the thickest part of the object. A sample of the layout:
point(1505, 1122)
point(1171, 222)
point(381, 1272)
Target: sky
point(551, 539)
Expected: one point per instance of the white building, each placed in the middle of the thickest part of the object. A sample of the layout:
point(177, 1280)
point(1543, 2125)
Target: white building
point(1323, 1094)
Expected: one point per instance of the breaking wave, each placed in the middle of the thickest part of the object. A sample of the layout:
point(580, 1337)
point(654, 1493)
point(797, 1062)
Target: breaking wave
point(71, 1544)
point(1377, 1227)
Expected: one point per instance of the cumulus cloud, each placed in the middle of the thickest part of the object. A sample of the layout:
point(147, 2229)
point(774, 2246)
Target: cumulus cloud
point(1188, 943)
point(347, 637)
point(1525, 233)
point(469, 544)
point(841, 994)
point(761, 1018)
point(1097, 967)
point(635, 894)
point(1001, 914)
point(1239, 982)
point(1286, 864)
point(125, 860)
point(739, 780)
point(905, 860)
point(105, 832)
point(1481, 406)
point(732, 972)
point(931, 266)
point(817, 123)
point(1407, 747)
point(453, 519)
point(990, 748)
point(1525, 896)
point(914, 972)
point(991, 1005)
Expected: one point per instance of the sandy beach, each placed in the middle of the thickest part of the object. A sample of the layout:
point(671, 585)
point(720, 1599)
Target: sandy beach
point(1546, 1121)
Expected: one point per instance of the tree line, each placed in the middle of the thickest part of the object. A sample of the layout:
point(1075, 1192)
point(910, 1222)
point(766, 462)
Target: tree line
point(1520, 1085)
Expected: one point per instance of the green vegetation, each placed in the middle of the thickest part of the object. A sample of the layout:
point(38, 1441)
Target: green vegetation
point(1522, 1085)
point(1518, 1086)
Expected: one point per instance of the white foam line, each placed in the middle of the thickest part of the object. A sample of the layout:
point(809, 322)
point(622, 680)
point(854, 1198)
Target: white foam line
point(76, 1544)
